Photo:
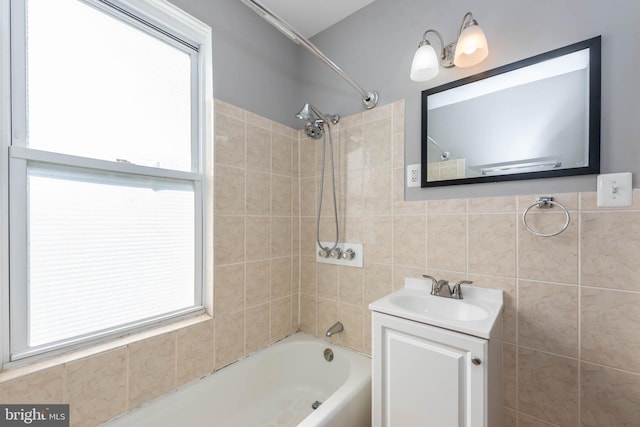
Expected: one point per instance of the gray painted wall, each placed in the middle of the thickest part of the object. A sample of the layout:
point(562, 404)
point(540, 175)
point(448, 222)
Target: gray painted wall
point(254, 66)
point(376, 46)
point(259, 69)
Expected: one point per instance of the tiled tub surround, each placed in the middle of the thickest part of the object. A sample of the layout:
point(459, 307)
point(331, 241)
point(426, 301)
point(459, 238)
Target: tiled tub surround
point(256, 199)
point(571, 302)
point(107, 380)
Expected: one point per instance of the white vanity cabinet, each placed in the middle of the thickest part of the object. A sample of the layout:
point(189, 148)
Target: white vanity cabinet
point(431, 376)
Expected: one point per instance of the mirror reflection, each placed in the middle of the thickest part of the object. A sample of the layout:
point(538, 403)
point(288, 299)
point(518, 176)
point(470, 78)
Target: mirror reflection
point(532, 119)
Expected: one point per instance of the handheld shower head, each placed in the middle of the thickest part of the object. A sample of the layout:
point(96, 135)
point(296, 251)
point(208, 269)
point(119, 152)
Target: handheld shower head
point(314, 129)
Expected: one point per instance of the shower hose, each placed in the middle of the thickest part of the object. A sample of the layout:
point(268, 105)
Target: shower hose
point(327, 250)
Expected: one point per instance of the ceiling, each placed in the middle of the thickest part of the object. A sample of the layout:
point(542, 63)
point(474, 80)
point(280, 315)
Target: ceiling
point(310, 17)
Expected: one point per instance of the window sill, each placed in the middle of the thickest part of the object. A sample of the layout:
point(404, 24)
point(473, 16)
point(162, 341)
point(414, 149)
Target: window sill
point(15, 371)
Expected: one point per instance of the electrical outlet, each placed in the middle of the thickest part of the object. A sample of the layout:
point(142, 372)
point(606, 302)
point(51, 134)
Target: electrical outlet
point(413, 175)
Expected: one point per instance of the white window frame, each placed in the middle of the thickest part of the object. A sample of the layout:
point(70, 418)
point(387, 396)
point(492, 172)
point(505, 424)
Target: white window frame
point(177, 28)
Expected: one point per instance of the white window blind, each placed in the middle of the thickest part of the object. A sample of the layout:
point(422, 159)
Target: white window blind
point(106, 173)
point(105, 252)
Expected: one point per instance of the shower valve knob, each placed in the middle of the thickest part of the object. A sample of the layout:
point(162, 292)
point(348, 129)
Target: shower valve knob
point(336, 253)
point(348, 255)
point(323, 253)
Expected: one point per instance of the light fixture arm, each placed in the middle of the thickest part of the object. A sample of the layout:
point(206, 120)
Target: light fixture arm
point(462, 24)
point(443, 49)
point(436, 32)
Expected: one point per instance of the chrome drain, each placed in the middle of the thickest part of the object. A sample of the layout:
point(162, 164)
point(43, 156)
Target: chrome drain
point(315, 404)
point(328, 354)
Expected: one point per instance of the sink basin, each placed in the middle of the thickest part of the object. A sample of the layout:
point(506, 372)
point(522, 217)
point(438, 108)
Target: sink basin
point(444, 308)
point(475, 315)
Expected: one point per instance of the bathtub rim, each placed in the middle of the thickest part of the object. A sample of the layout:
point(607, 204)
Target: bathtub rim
point(358, 379)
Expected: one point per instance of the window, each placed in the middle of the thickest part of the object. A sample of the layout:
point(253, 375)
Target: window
point(106, 169)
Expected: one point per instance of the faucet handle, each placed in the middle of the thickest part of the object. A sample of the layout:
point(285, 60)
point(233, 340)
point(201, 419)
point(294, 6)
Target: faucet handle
point(433, 279)
point(463, 282)
point(336, 253)
point(434, 283)
point(457, 288)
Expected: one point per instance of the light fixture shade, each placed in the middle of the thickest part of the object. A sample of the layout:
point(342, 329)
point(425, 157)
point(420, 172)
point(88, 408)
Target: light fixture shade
point(471, 48)
point(425, 64)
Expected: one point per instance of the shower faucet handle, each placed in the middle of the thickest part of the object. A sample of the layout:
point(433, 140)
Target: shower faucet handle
point(349, 254)
point(336, 253)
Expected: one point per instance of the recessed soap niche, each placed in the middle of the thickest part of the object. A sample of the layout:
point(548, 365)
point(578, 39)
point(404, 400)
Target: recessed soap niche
point(343, 255)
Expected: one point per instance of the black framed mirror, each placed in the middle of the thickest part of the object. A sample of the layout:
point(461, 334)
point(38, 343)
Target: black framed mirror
point(535, 118)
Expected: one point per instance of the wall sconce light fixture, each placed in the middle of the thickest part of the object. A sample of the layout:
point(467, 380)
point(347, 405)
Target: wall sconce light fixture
point(470, 48)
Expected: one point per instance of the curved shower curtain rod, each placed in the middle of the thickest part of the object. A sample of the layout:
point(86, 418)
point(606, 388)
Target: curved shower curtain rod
point(369, 98)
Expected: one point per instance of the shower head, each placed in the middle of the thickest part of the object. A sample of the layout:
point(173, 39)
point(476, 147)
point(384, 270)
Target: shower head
point(314, 129)
point(315, 119)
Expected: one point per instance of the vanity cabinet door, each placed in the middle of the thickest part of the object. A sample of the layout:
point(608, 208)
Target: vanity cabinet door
point(425, 376)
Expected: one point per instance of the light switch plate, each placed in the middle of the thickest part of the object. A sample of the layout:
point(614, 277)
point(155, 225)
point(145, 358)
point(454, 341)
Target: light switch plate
point(614, 190)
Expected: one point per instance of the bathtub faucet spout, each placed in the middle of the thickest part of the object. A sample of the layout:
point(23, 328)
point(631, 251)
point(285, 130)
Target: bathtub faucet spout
point(334, 329)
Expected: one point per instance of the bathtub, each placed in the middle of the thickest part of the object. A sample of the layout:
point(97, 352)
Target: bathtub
point(276, 386)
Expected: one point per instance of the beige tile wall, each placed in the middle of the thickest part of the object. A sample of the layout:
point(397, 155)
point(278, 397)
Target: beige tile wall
point(101, 384)
point(255, 299)
point(571, 302)
point(572, 315)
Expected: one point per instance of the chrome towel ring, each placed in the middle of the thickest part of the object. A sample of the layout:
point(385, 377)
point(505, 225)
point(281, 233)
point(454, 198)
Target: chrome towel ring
point(545, 202)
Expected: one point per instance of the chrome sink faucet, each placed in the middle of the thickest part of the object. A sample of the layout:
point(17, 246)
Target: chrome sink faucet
point(441, 288)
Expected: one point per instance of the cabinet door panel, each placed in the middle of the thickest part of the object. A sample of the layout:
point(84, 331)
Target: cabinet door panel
point(423, 375)
point(431, 395)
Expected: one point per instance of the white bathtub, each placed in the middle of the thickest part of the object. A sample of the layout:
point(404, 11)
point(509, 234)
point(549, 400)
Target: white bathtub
point(274, 387)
